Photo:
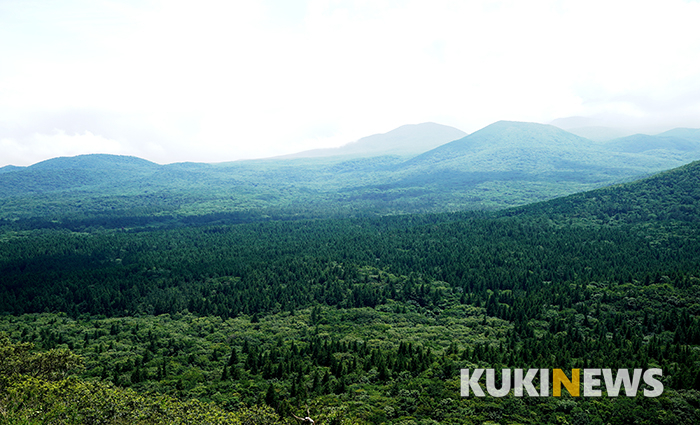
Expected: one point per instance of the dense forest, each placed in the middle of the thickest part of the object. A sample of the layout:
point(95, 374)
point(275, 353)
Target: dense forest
point(364, 319)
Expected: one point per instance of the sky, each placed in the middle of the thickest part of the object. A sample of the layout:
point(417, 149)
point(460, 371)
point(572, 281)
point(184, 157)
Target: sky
point(213, 81)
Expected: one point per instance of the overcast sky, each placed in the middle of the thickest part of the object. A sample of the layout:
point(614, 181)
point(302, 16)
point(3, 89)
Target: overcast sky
point(217, 81)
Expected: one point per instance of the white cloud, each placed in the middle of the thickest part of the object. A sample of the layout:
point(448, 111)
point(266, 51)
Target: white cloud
point(221, 80)
point(42, 146)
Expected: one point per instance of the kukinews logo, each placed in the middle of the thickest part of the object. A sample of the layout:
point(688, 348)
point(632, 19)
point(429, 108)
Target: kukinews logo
point(586, 383)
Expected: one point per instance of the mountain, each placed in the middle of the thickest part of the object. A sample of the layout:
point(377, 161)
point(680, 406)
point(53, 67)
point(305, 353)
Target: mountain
point(600, 128)
point(516, 140)
point(409, 139)
point(10, 168)
point(102, 162)
point(540, 149)
point(684, 133)
point(599, 133)
point(506, 164)
point(669, 195)
point(639, 143)
point(75, 173)
point(502, 165)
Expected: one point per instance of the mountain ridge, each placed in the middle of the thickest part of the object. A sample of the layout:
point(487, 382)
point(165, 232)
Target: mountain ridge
point(505, 164)
point(502, 135)
point(639, 143)
point(93, 161)
point(405, 140)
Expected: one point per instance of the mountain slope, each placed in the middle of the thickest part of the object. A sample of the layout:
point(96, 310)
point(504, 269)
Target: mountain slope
point(639, 143)
point(510, 163)
point(669, 195)
point(599, 134)
point(504, 138)
point(103, 162)
point(684, 133)
point(75, 173)
point(409, 139)
point(10, 168)
point(503, 165)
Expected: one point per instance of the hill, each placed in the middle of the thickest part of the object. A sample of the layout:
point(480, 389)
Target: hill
point(9, 168)
point(599, 133)
point(672, 195)
point(76, 173)
point(102, 162)
point(640, 143)
point(502, 165)
point(514, 139)
point(409, 139)
point(511, 163)
point(537, 148)
point(685, 133)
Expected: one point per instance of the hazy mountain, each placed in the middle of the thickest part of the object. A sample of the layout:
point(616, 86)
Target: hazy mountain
point(504, 164)
point(75, 173)
point(608, 126)
point(409, 139)
point(683, 133)
point(639, 143)
point(540, 148)
point(526, 151)
point(96, 162)
point(9, 168)
point(599, 133)
point(505, 145)
point(510, 163)
point(600, 128)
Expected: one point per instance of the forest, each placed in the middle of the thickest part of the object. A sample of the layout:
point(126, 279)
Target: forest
point(248, 318)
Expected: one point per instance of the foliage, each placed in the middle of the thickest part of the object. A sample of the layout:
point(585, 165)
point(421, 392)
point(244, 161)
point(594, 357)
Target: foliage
point(42, 395)
point(365, 319)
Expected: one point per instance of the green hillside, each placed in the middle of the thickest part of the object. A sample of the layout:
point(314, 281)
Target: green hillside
point(362, 319)
point(672, 196)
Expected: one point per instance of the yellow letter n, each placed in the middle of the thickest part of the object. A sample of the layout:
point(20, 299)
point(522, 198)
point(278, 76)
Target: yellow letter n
point(559, 378)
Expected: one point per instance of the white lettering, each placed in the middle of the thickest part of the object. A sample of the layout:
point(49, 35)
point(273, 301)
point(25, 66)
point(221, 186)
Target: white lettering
point(623, 377)
point(591, 379)
point(471, 382)
point(658, 387)
point(520, 383)
point(491, 383)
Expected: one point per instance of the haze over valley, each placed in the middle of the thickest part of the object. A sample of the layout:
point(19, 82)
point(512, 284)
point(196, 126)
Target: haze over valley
point(418, 168)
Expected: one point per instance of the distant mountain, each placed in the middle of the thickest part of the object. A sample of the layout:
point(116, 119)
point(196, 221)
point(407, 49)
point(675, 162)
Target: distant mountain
point(599, 129)
point(683, 133)
point(607, 126)
point(9, 168)
point(540, 148)
point(504, 164)
point(639, 143)
point(409, 139)
point(509, 163)
point(599, 133)
point(95, 162)
point(502, 142)
point(75, 173)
